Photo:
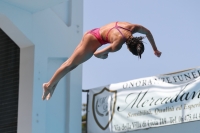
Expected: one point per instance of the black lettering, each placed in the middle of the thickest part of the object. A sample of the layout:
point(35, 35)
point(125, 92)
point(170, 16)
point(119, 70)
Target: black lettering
point(125, 86)
point(137, 83)
point(166, 98)
point(199, 95)
point(176, 99)
point(171, 100)
point(187, 98)
point(136, 99)
point(150, 83)
point(194, 94)
point(117, 128)
point(163, 79)
point(157, 100)
point(142, 98)
point(144, 83)
point(168, 79)
point(152, 101)
point(175, 78)
point(181, 77)
point(194, 74)
point(144, 103)
point(133, 101)
point(198, 72)
point(181, 97)
point(187, 76)
point(132, 84)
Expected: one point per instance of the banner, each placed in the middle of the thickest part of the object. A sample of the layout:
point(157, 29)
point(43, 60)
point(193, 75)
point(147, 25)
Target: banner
point(155, 101)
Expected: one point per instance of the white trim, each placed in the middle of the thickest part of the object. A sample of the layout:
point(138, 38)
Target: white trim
point(26, 74)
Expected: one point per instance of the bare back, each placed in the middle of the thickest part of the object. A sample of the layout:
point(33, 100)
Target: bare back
point(109, 32)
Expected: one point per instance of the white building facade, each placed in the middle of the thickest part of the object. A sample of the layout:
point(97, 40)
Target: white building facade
point(47, 33)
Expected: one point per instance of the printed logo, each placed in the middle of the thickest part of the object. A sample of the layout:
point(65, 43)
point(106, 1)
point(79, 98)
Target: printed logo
point(103, 107)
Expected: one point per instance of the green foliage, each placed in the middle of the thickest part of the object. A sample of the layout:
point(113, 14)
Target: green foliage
point(84, 117)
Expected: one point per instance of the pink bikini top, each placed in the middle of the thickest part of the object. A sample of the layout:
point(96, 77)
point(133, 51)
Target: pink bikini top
point(96, 33)
point(116, 27)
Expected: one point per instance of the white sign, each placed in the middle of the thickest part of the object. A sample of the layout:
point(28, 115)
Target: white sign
point(144, 103)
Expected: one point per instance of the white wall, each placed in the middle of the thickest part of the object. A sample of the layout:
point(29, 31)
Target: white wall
point(25, 73)
point(20, 18)
point(52, 38)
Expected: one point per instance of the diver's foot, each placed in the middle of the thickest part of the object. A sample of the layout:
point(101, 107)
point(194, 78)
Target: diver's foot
point(46, 91)
point(51, 92)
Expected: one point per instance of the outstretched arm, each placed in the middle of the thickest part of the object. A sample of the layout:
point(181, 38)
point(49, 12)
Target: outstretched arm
point(143, 30)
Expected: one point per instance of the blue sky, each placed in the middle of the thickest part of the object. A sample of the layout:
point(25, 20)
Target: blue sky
point(174, 25)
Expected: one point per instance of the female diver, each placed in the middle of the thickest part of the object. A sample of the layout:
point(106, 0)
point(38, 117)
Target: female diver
point(116, 33)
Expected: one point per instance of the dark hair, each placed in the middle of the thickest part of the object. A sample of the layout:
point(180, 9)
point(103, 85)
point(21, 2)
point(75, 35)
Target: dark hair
point(135, 45)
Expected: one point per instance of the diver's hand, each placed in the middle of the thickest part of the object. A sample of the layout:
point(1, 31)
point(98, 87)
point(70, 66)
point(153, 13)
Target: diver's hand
point(157, 53)
point(104, 56)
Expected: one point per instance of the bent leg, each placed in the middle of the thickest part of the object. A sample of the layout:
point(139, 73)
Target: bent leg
point(81, 54)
